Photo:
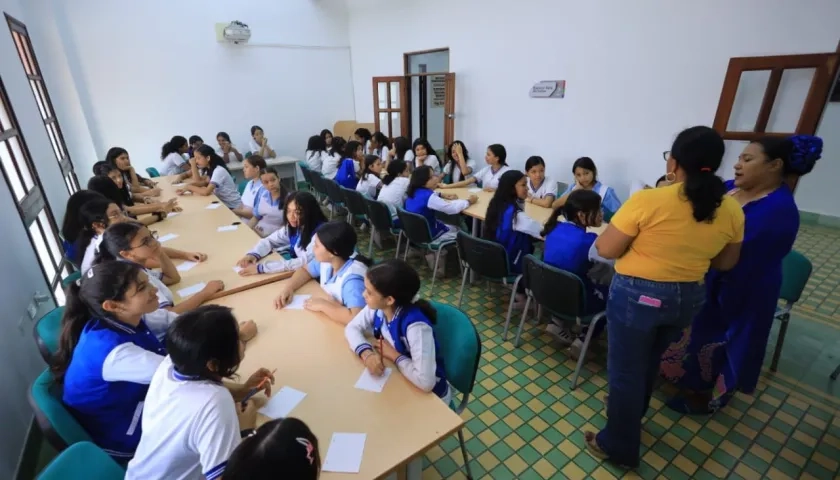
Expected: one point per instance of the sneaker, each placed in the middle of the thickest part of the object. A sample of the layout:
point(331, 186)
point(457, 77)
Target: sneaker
point(562, 335)
point(575, 348)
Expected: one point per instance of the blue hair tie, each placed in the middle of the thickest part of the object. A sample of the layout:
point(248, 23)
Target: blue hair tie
point(807, 149)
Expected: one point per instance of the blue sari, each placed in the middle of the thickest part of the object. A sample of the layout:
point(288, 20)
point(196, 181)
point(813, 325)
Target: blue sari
point(723, 349)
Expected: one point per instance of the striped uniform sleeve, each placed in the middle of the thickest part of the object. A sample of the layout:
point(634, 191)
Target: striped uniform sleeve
point(359, 329)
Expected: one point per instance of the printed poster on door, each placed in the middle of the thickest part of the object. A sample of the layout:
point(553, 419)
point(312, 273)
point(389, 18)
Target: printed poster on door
point(438, 92)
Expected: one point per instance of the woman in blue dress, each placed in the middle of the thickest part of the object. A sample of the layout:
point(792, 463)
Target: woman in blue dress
point(723, 349)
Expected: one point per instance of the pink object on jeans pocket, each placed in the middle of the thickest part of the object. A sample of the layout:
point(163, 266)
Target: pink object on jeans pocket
point(649, 301)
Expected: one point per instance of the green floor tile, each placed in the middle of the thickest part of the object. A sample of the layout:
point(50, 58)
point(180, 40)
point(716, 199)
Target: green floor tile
point(755, 463)
point(529, 454)
point(501, 450)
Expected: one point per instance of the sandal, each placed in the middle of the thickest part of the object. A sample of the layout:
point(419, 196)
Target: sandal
point(592, 447)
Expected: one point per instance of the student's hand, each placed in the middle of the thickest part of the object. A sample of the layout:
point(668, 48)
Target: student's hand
point(472, 199)
point(249, 270)
point(226, 146)
point(489, 189)
point(388, 351)
point(257, 377)
point(373, 362)
point(195, 256)
point(181, 191)
point(449, 196)
point(247, 416)
point(264, 142)
point(283, 298)
point(393, 152)
point(247, 331)
point(316, 304)
point(213, 287)
point(444, 186)
point(154, 192)
point(246, 260)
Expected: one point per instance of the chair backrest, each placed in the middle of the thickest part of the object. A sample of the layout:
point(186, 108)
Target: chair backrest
point(318, 183)
point(460, 346)
point(47, 330)
point(354, 201)
point(334, 191)
point(561, 187)
point(561, 292)
point(82, 461)
point(59, 426)
point(415, 227)
point(241, 186)
point(307, 173)
point(152, 171)
point(66, 281)
point(484, 257)
point(379, 215)
point(796, 269)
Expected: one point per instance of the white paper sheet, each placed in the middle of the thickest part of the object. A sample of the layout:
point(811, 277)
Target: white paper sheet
point(213, 206)
point(172, 214)
point(473, 190)
point(282, 402)
point(186, 292)
point(367, 381)
point(178, 185)
point(297, 302)
point(227, 228)
point(186, 266)
point(237, 268)
point(167, 237)
point(345, 453)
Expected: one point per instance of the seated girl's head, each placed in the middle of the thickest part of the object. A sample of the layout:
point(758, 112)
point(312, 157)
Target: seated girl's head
point(176, 144)
point(98, 214)
point(207, 158)
point(422, 147)
point(496, 155)
point(371, 165)
point(252, 166)
point(379, 140)
point(401, 146)
point(271, 181)
point(450, 148)
point(257, 133)
point(316, 143)
point(107, 186)
point(204, 343)
point(396, 168)
point(71, 225)
point(422, 177)
point(354, 150)
point(118, 157)
point(535, 168)
point(338, 145)
point(393, 284)
point(327, 136)
point(284, 445)
point(334, 239)
point(585, 172)
point(107, 170)
point(583, 208)
point(114, 290)
point(362, 135)
point(196, 141)
point(512, 189)
point(302, 211)
point(131, 241)
point(223, 139)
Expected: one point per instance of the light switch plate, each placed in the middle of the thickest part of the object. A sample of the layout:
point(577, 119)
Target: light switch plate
point(32, 309)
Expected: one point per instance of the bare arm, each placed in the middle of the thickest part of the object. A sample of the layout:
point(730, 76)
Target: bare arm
point(613, 243)
point(462, 183)
point(546, 201)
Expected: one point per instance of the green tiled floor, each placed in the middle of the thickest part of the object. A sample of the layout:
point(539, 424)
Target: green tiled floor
point(524, 422)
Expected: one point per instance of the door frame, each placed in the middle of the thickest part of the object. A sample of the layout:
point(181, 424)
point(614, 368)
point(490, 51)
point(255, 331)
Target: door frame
point(402, 109)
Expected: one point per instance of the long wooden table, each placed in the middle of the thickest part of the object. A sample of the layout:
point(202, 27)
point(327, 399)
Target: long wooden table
point(311, 354)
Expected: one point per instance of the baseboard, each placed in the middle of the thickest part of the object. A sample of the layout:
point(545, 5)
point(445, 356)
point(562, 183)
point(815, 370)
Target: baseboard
point(811, 218)
point(28, 464)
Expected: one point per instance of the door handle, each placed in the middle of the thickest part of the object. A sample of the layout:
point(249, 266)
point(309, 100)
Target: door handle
point(450, 116)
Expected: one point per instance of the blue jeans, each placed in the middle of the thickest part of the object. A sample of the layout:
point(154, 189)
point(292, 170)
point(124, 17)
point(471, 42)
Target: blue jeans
point(644, 318)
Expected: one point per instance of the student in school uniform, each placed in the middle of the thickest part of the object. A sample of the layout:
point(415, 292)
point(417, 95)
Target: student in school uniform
point(284, 445)
point(109, 185)
point(71, 225)
point(363, 136)
point(94, 217)
point(369, 181)
point(395, 186)
point(507, 223)
point(135, 186)
point(457, 165)
point(586, 177)
point(227, 151)
point(381, 147)
point(424, 154)
point(402, 151)
point(110, 345)
point(338, 268)
point(327, 136)
point(350, 165)
point(422, 199)
point(172, 155)
point(303, 216)
point(316, 153)
point(192, 421)
point(402, 325)
point(195, 143)
point(541, 189)
point(268, 213)
point(330, 162)
point(488, 177)
point(258, 144)
point(210, 176)
point(251, 168)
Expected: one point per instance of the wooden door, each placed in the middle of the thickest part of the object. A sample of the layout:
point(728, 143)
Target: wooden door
point(390, 111)
point(751, 105)
point(449, 111)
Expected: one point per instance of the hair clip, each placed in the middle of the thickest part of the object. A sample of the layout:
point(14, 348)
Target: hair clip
point(309, 449)
point(416, 298)
point(90, 272)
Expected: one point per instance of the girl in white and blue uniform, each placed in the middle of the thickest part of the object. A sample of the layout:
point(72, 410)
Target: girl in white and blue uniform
point(213, 178)
point(316, 156)
point(339, 270)
point(369, 181)
point(488, 177)
point(541, 190)
point(292, 240)
point(586, 178)
point(251, 168)
point(507, 223)
point(268, 212)
point(172, 155)
point(424, 155)
point(111, 343)
point(422, 199)
point(458, 164)
point(395, 186)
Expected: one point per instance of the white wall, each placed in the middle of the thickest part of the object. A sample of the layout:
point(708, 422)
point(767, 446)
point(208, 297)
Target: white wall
point(818, 192)
point(146, 71)
point(637, 72)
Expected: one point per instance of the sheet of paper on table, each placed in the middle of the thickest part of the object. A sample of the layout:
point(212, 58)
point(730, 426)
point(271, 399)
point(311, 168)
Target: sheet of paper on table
point(167, 237)
point(345, 453)
point(282, 402)
point(186, 292)
point(297, 302)
point(371, 383)
point(213, 206)
point(186, 266)
point(227, 228)
point(473, 190)
point(237, 268)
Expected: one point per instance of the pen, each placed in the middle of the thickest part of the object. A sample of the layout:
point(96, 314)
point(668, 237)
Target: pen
point(256, 389)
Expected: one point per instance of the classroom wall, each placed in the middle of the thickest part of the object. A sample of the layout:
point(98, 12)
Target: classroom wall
point(817, 192)
point(148, 70)
point(20, 362)
point(637, 72)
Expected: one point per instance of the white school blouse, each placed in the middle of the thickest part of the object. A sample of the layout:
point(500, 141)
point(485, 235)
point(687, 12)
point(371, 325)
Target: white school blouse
point(255, 148)
point(190, 429)
point(367, 186)
point(172, 164)
point(548, 188)
point(229, 157)
point(226, 189)
point(453, 168)
point(90, 252)
point(385, 155)
point(317, 160)
point(251, 193)
point(393, 194)
point(280, 241)
point(329, 165)
point(269, 212)
point(489, 179)
point(431, 161)
point(129, 362)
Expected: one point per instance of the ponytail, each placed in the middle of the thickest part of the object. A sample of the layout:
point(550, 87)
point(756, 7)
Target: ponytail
point(698, 151)
point(76, 316)
point(587, 202)
point(172, 146)
point(428, 310)
point(214, 160)
point(395, 169)
point(117, 238)
point(93, 212)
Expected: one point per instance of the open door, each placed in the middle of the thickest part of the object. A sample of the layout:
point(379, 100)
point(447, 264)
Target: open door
point(780, 95)
point(390, 106)
point(449, 111)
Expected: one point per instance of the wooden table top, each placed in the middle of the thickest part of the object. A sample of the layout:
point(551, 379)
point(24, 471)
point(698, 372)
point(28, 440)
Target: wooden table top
point(311, 354)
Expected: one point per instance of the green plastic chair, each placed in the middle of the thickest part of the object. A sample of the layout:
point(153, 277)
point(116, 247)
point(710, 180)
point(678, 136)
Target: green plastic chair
point(460, 347)
point(83, 461)
point(47, 331)
point(796, 270)
point(248, 154)
point(416, 230)
point(153, 172)
point(241, 186)
point(66, 281)
point(59, 426)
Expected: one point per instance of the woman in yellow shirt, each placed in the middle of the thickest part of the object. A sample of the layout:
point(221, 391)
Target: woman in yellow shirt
point(664, 240)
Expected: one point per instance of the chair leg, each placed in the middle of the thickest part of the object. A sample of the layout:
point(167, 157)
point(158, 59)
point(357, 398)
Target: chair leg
point(780, 341)
point(522, 322)
point(510, 305)
point(370, 244)
point(835, 373)
point(434, 272)
point(464, 453)
point(399, 241)
point(584, 349)
point(463, 284)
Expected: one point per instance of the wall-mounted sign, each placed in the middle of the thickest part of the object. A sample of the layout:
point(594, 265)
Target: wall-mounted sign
point(438, 91)
point(549, 89)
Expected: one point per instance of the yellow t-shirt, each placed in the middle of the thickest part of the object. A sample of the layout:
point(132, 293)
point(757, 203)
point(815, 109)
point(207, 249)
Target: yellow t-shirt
point(669, 244)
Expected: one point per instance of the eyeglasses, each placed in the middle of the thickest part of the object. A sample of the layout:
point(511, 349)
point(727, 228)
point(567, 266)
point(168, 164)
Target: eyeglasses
point(666, 155)
point(148, 241)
